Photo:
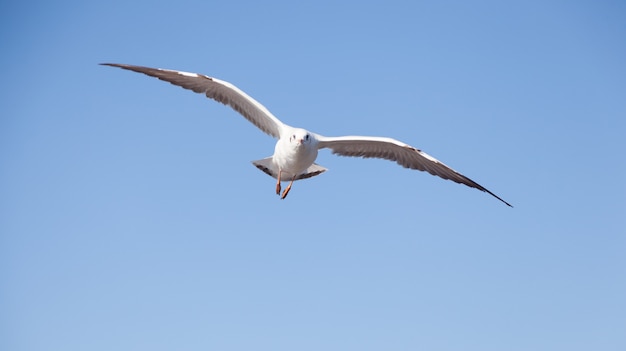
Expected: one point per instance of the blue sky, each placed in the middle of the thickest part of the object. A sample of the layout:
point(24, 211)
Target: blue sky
point(131, 217)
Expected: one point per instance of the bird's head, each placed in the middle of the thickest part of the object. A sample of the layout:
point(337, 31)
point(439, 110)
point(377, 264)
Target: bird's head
point(301, 138)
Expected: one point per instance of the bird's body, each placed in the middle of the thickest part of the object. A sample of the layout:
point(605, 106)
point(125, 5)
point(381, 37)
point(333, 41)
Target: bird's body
point(295, 152)
point(296, 149)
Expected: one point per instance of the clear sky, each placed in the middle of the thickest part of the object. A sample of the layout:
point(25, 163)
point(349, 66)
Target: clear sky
point(132, 219)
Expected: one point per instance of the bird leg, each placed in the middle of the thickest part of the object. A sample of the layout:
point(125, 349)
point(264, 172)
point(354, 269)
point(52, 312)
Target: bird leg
point(278, 182)
point(288, 188)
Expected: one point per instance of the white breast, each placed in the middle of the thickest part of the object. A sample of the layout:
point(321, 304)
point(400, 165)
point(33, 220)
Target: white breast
point(293, 160)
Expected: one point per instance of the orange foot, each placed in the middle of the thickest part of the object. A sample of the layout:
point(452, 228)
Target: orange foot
point(286, 191)
point(278, 182)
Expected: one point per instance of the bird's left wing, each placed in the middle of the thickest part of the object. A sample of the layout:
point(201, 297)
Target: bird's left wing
point(217, 90)
point(394, 150)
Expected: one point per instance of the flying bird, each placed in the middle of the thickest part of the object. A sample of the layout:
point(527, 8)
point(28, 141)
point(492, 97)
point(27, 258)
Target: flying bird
point(296, 149)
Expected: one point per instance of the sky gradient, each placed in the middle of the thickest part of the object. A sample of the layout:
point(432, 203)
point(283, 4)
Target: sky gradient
point(131, 217)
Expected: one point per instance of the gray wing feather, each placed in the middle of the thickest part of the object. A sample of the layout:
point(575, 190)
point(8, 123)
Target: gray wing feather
point(217, 90)
point(394, 150)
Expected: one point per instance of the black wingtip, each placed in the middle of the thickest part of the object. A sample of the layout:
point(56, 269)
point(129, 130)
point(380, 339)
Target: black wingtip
point(498, 197)
point(508, 204)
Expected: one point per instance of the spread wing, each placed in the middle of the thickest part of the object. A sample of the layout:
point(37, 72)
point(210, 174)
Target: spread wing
point(394, 150)
point(219, 91)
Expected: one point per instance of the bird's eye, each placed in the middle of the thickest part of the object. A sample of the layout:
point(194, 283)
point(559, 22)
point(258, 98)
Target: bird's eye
point(307, 137)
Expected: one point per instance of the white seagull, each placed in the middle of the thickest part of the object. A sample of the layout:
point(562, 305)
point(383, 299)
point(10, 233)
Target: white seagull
point(296, 148)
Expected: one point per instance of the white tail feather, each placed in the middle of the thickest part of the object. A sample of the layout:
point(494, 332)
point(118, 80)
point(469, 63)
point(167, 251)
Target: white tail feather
point(267, 166)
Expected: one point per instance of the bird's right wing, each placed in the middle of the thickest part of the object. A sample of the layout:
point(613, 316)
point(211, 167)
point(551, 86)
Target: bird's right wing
point(219, 91)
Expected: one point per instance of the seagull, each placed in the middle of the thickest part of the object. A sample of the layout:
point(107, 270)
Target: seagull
point(296, 149)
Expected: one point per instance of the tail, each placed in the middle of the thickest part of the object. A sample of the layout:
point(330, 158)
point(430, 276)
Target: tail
point(267, 166)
